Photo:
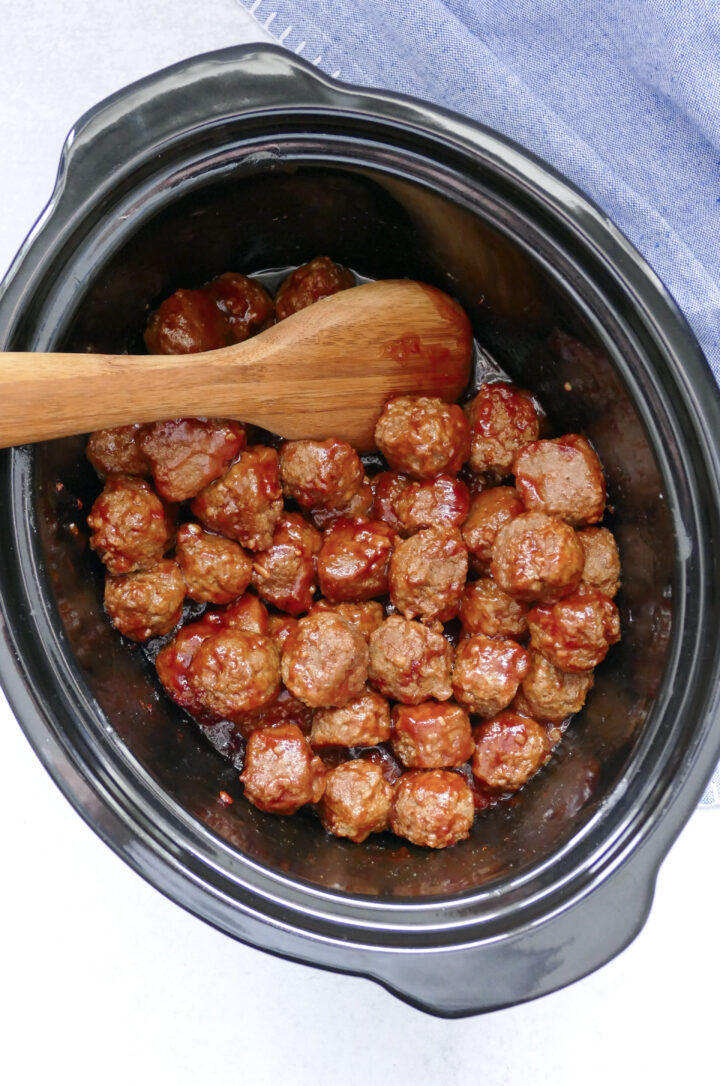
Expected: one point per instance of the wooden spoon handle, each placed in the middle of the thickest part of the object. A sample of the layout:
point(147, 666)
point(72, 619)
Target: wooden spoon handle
point(327, 370)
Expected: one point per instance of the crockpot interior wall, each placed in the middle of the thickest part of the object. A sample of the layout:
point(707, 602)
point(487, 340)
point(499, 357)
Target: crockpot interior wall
point(382, 228)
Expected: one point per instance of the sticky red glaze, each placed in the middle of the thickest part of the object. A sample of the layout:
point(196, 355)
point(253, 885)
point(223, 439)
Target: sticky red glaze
point(280, 627)
point(423, 436)
point(387, 487)
point(562, 478)
point(173, 661)
point(245, 305)
point(502, 419)
point(186, 454)
point(428, 573)
point(486, 609)
point(537, 557)
point(186, 323)
point(432, 807)
point(320, 474)
point(283, 709)
point(353, 560)
point(247, 613)
point(118, 451)
point(244, 504)
point(489, 511)
point(233, 671)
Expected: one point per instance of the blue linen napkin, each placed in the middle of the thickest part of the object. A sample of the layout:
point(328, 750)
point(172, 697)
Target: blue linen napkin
point(622, 96)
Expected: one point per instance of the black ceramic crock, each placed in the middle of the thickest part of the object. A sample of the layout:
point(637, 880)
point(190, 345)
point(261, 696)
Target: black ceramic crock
point(249, 159)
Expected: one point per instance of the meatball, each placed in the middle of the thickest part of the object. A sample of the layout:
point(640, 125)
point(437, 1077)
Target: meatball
point(427, 574)
point(174, 659)
point(320, 474)
point(363, 722)
point(187, 454)
point(359, 506)
point(325, 661)
point(576, 633)
point(309, 283)
point(487, 673)
point(602, 561)
point(509, 750)
point(423, 436)
point(486, 609)
point(409, 662)
point(235, 670)
point(284, 574)
point(536, 557)
point(246, 306)
point(245, 504)
point(185, 323)
point(431, 735)
point(280, 627)
point(387, 488)
point(147, 603)
point(440, 503)
point(432, 807)
point(118, 451)
point(353, 560)
point(130, 527)
point(356, 801)
point(247, 613)
point(551, 695)
point(215, 569)
point(502, 419)
point(281, 772)
point(365, 617)
point(489, 511)
point(562, 478)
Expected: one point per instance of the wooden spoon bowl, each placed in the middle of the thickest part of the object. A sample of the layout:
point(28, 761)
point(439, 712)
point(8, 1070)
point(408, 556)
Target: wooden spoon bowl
point(325, 371)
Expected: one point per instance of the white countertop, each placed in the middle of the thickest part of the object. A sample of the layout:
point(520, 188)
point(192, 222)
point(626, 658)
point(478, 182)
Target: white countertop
point(103, 979)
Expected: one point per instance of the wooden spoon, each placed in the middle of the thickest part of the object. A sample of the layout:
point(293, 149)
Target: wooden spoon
point(325, 371)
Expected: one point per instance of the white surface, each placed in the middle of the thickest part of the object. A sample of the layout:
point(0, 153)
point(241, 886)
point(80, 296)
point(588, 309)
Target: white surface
point(102, 979)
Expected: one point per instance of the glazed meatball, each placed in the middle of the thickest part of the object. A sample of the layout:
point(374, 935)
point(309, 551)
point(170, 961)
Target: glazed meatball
point(364, 617)
point(387, 488)
point(427, 574)
point(409, 662)
point(284, 574)
point(502, 420)
point(215, 569)
point(509, 750)
point(353, 560)
point(325, 661)
point(247, 613)
point(185, 323)
point(174, 659)
point(576, 633)
point(280, 627)
point(118, 451)
point(423, 436)
point(562, 478)
point(235, 670)
point(431, 735)
point(536, 557)
point(245, 504)
point(359, 506)
point(281, 772)
point(356, 801)
point(187, 454)
point(130, 527)
point(363, 722)
point(246, 306)
point(602, 561)
point(432, 807)
point(440, 503)
point(309, 283)
point(551, 695)
point(489, 511)
point(147, 603)
point(320, 474)
point(487, 673)
point(486, 609)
